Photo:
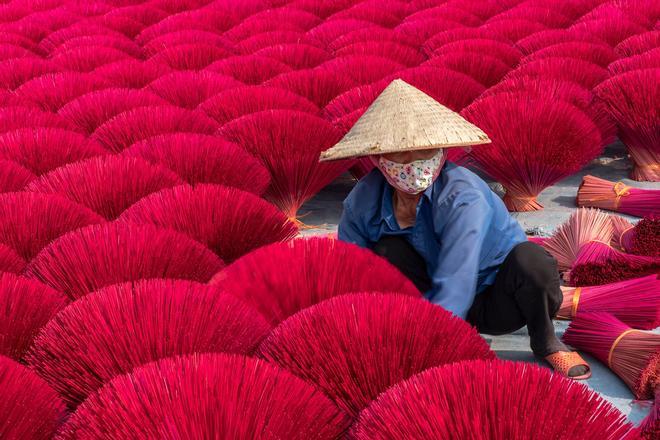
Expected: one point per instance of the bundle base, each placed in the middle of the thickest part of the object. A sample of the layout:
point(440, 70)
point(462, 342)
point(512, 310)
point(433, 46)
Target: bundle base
point(520, 203)
point(646, 173)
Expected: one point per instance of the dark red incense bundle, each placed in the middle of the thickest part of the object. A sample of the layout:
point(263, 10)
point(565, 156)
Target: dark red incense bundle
point(188, 89)
point(498, 49)
point(41, 150)
point(401, 53)
point(318, 85)
point(297, 56)
point(486, 69)
point(316, 270)
point(100, 255)
point(27, 305)
point(131, 73)
point(646, 60)
point(583, 226)
point(612, 30)
point(535, 144)
point(92, 110)
point(141, 123)
point(229, 221)
point(13, 177)
point(617, 196)
point(484, 400)
point(630, 99)
point(28, 221)
point(199, 158)
point(10, 261)
point(633, 355)
point(354, 347)
point(582, 72)
point(635, 302)
point(641, 239)
point(363, 69)
point(107, 185)
point(208, 396)
point(250, 69)
point(113, 330)
point(599, 263)
point(289, 144)
point(29, 408)
point(51, 91)
point(638, 44)
point(194, 56)
point(650, 426)
point(600, 54)
point(87, 58)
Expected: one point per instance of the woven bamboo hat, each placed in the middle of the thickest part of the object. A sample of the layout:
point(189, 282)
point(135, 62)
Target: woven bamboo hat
point(403, 118)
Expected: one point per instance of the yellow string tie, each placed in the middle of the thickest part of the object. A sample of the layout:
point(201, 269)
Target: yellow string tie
point(616, 342)
point(576, 299)
point(651, 166)
point(621, 190)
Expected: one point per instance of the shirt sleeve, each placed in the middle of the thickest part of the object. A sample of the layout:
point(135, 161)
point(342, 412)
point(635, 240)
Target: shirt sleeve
point(455, 279)
point(348, 229)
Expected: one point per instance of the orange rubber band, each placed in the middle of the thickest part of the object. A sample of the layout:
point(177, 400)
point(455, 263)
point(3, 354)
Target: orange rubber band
point(576, 298)
point(616, 342)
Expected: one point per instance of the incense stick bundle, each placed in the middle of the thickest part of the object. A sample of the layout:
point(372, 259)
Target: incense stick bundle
point(636, 302)
point(642, 238)
point(633, 355)
point(617, 196)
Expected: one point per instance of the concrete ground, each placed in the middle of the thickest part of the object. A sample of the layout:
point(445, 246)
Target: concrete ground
point(324, 212)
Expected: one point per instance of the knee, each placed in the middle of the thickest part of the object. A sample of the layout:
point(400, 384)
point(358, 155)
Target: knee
point(535, 267)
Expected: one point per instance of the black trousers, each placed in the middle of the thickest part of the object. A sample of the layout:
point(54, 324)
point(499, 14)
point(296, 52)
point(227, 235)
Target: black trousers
point(526, 291)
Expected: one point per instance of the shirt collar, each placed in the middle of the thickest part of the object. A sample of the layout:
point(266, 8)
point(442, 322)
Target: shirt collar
point(387, 208)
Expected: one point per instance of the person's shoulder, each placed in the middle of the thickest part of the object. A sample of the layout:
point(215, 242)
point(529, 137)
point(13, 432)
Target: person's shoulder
point(366, 192)
point(456, 179)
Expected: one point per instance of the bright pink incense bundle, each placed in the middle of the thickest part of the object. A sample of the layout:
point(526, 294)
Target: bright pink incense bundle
point(421, 30)
point(612, 30)
point(545, 38)
point(183, 36)
point(485, 400)
point(90, 111)
point(289, 144)
point(318, 85)
point(53, 90)
point(401, 53)
point(633, 355)
point(96, 256)
point(297, 56)
point(600, 54)
point(498, 49)
point(365, 35)
point(599, 263)
point(131, 73)
point(229, 221)
point(141, 123)
point(240, 101)
point(638, 44)
point(535, 144)
point(354, 347)
point(14, 177)
point(330, 30)
point(631, 99)
point(641, 239)
point(107, 185)
point(582, 72)
point(535, 13)
point(650, 426)
point(512, 29)
point(356, 98)
point(113, 330)
point(199, 158)
point(43, 149)
point(259, 41)
point(208, 396)
point(192, 56)
point(10, 261)
point(583, 226)
point(250, 69)
point(189, 89)
point(17, 71)
point(387, 13)
point(118, 42)
point(29, 408)
point(646, 60)
point(26, 306)
point(316, 270)
point(619, 197)
point(363, 69)
point(87, 58)
point(486, 69)
point(635, 302)
point(28, 221)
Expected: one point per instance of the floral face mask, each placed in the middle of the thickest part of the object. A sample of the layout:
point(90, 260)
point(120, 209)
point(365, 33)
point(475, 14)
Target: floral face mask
point(414, 177)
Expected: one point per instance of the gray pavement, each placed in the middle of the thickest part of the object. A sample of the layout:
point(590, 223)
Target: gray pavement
point(324, 211)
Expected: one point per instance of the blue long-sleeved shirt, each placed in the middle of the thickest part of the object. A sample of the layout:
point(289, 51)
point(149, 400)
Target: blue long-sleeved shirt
point(462, 230)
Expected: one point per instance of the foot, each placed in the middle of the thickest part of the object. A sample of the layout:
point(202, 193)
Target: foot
point(569, 364)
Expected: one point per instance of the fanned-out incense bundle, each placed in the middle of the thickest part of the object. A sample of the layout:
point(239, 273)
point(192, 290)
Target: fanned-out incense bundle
point(617, 196)
point(634, 355)
point(635, 302)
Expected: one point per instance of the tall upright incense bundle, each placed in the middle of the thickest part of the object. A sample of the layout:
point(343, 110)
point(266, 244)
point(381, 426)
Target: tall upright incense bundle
point(583, 226)
point(635, 302)
point(633, 355)
point(619, 197)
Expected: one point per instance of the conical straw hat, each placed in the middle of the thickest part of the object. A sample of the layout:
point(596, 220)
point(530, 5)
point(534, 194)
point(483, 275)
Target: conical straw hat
point(404, 118)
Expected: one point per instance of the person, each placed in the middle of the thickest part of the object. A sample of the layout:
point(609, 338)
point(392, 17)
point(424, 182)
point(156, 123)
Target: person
point(442, 226)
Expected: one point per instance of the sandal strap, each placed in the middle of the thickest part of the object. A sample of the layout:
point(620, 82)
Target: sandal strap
point(563, 361)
